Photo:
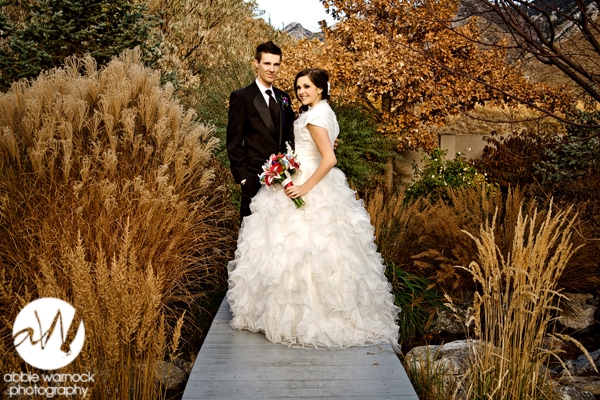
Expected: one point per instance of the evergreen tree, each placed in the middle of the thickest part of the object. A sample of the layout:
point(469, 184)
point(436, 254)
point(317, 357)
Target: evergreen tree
point(39, 34)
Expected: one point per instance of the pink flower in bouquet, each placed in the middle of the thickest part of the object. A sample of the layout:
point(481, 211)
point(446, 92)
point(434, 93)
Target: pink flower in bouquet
point(269, 179)
point(279, 169)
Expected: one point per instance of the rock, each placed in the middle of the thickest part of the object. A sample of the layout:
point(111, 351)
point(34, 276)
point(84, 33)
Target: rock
point(566, 349)
point(170, 376)
point(553, 384)
point(184, 365)
point(453, 356)
point(449, 322)
point(578, 368)
point(454, 321)
point(586, 383)
point(573, 393)
point(590, 387)
point(451, 361)
point(582, 366)
point(297, 31)
point(578, 311)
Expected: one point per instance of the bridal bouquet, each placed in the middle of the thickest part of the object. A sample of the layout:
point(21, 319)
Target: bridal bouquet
point(279, 169)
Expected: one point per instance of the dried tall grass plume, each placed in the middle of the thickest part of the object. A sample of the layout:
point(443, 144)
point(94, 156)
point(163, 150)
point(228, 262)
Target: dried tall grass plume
point(516, 302)
point(109, 200)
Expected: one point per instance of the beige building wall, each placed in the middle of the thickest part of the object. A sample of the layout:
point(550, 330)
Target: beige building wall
point(471, 146)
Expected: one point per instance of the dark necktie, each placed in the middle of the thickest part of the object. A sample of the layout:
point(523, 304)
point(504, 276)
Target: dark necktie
point(274, 109)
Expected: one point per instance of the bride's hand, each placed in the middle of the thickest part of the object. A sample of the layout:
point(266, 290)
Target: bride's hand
point(296, 191)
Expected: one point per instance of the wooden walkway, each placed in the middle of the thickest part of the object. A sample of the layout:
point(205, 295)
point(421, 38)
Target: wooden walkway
point(244, 365)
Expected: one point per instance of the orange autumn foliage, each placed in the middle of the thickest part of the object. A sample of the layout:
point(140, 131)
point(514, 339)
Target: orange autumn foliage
point(401, 62)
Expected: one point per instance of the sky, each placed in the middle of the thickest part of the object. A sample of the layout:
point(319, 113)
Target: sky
point(306, 12)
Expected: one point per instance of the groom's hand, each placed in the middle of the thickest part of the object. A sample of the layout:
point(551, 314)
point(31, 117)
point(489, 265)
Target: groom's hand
point(335, 144)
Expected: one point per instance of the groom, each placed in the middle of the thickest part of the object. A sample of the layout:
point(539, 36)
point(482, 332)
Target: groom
point(259, 123)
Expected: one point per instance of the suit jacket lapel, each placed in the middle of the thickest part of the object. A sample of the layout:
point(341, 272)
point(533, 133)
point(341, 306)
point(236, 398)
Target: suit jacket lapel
point(263, 111)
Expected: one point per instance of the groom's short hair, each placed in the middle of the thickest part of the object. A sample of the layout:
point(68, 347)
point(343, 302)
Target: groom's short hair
point(267, 47)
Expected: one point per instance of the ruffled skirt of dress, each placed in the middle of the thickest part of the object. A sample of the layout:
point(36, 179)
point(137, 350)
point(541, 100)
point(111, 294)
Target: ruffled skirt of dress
point(311, 276)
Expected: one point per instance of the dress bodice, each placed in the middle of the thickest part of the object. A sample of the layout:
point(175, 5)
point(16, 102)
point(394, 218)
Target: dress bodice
point(320, 115)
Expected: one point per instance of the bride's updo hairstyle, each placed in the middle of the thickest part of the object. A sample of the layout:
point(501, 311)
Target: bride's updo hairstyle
point(319, 77)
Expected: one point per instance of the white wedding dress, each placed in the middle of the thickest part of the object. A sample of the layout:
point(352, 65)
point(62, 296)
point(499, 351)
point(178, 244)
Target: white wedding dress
point(311, 276)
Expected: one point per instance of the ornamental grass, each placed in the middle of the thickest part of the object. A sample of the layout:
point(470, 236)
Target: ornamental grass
point(521, 259)
point(110, 199)
point(426, 237)
point(516, 304)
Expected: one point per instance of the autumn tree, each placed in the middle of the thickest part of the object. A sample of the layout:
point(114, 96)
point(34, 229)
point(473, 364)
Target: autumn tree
point(36, 35)
point(399, 62)
point(203, 39)
point(564, 34)
point(207, 50)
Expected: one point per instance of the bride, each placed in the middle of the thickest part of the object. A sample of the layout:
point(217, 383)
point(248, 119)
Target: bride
point(312, 276)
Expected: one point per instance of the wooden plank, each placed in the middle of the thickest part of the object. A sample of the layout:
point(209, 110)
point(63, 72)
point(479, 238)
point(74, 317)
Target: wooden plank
point(251, 348)
point(228, 372)
point(277, 360)
point(310, 384)
point(240, 364)
point(327, 389)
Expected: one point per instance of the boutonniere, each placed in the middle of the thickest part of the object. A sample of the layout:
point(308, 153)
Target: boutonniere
point(285, 102)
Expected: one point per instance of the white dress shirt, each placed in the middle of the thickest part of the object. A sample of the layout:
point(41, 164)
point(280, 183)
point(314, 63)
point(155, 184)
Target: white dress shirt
point(263, 88)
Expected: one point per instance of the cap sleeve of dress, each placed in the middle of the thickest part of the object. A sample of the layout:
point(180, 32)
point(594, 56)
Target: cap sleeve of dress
point(322, 116)
point(316, 118)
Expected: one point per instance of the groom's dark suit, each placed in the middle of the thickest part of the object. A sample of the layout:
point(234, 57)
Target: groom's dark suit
point(252, 136)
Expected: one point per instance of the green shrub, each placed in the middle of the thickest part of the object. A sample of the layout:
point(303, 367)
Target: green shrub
point(38, 35)
point(570, 173)
point(417, 297)
point(210, 98)
point(362, 151)
point(439, 174)
point(572, 166)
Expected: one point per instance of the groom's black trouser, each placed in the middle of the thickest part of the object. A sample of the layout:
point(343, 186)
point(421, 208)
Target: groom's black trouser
point(249, 190)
